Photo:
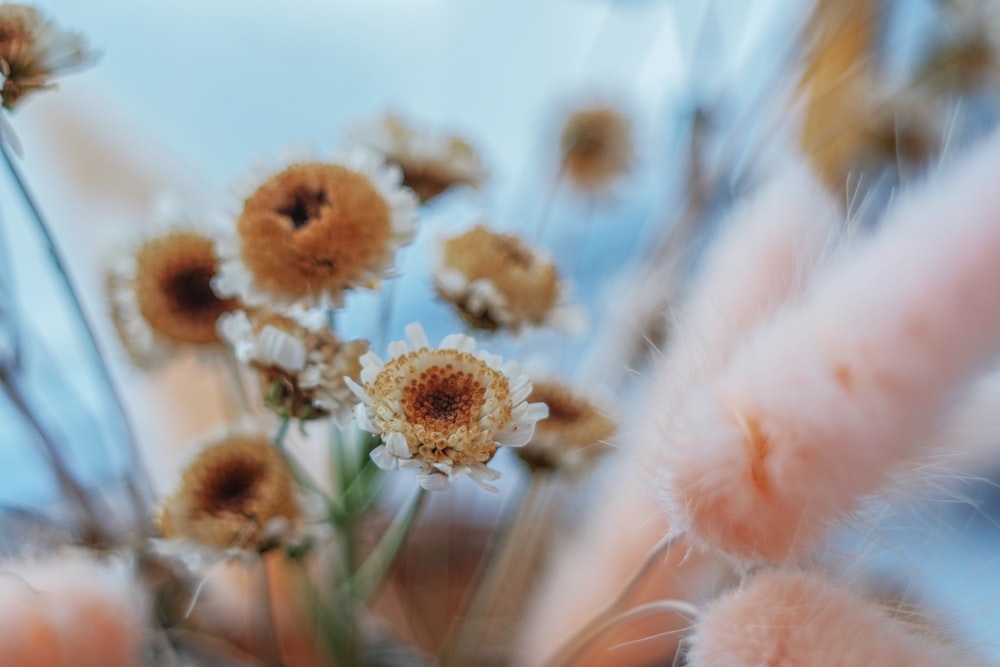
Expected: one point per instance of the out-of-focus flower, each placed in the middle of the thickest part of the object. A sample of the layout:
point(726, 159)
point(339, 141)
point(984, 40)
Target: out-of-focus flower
point(444, 410)
point(596, 147)
point(431, 163)
point(70, 610)
point(32, 51)
point(238, 493)
point(496, 281)
point(314, 230)
point(573, 435)
point(302, 370)
point(160, 295)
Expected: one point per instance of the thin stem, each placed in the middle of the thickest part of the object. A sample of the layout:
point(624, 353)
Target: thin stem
point(498, 567)
point(599, 624)
point(77, 305)
point(571, 652)
point(369, 577)
point(279, 437)
point(67, 482)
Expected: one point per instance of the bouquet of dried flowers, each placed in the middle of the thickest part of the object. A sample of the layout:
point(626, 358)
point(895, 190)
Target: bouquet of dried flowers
point(809, 358)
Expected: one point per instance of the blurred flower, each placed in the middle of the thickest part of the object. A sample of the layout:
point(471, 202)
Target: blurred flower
point(302, 370)
point(444, 410)
point(32, 51)
point(238, 493)
point(431, 163)
point(573, 435)
point(160, 295)
point(314, 230)
point(496, 281)
point(596, 146)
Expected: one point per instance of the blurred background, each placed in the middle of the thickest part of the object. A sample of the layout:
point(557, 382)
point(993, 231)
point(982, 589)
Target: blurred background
point(190, 99)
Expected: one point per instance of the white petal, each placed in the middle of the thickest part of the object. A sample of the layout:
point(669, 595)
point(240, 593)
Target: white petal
point(396, 443)
point(459, 342)
point(397, 349)
point(482, 474)
point(357, 390)
point(415, 334)
point(363, 419)
point(383, 459)
point(433, 481)
point(281, 348)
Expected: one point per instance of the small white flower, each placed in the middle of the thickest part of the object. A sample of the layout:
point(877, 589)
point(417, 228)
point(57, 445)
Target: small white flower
point(444, 411)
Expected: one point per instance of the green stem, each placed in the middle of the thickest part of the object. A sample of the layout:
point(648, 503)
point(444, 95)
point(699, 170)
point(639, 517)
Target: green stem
point(77, 306)
point(372, 573)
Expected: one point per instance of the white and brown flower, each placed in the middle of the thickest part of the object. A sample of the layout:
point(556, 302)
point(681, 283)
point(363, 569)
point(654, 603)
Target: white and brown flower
point(444, 410)
point(314, 230)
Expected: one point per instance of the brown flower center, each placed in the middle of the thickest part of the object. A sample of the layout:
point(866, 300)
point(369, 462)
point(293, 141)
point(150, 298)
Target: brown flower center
point(442, 398)
point(232, 487)
point(173, 288)
point(304, 206)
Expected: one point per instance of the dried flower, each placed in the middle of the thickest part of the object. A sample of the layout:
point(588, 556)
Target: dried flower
point(596, 147)
point(444, 410)
point(302, 370)
point(32, 51)
point(314, 230)
point(431, 163)
point(238, 493)
point(161, 297)
point(497, 281)
point(573, 435)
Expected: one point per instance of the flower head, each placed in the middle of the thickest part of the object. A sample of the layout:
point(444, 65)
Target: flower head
point(596, 147)
point(431, 163)
point(161, 297)
point(236, 493)
point(32, 51)
point(314, 230)
point(574, 433)
point(301, 369)
point(497, 281)
point(444, 410)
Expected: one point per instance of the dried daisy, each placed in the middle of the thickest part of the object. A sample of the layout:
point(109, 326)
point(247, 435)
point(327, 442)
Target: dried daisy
point(314, 230)
point(32, 51)
point(496, 281)
point(573, 435)
point(596, 147)
point(431, 163)
point(238, 493)
point(301, 369)
point(444, 410)
point(160, 295)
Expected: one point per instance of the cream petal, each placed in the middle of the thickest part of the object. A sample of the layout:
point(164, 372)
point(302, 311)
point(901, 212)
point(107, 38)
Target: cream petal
point(363, 419)
point(433, 482)
point(281, 348)
point(381, 457)
point(396, 443)
point(415, 334)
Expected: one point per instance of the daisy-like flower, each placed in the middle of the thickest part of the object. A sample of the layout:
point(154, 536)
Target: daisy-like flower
point(596, 147)
point(431, 163)
point(238, 493)
point(496, 281)
point(301, 369)
point(32, 51)
point(444, 410)
point(160, 295)
point(573, 435)
point(314, 230)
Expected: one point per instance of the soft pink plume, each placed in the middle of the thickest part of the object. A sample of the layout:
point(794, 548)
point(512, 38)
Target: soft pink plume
point(798, 619)
point(816, 406)
point(763, 255)
point(72, 611)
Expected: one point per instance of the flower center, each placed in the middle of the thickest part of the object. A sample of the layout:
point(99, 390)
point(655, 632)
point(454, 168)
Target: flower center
point(443, 398)
point(192, 291)
point(233, 487)
point(304, 206)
